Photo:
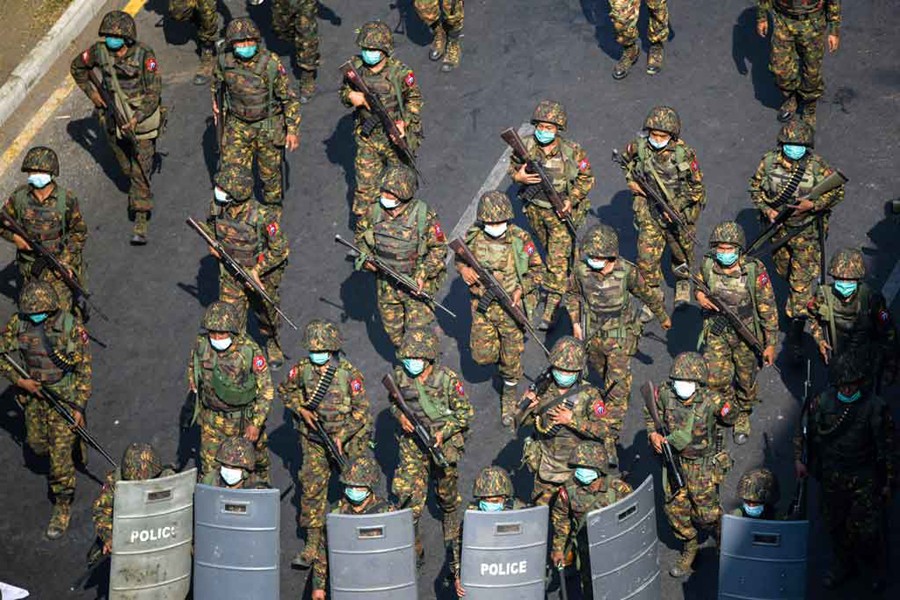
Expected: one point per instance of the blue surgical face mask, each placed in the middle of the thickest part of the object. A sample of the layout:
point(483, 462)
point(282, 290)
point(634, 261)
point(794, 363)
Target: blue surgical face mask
point(389, 203)
point(585, 475)
point(356, 495)
point(230, 475)
point(544, 137)
point(39, 180)
point(754, 511)
point(371, 57)
point(38, 318)
point(114, 43)
point(851, 398)
point(845, 288)
point(726, 259)
point(793, 151)
point(596, 264)
point(319, 358)
point(245, 52)
point(485, 506)
point(657, 145)
point(564, 379)
point(220, 196)
point(414, 366)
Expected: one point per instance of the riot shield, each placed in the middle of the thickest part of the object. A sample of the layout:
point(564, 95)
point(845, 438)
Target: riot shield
point(763, 559)
point(504, 554)
point(236, 551)
point(372, 556)
point(623, 547)
point(152, 533)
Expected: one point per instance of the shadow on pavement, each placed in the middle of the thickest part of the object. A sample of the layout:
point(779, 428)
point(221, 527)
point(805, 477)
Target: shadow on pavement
point(340, 149)
point(358, 295)
point(751, 55)
point(88, 134)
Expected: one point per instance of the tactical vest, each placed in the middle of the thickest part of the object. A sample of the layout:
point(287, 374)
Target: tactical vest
point(125, 78)
point(428, 401)
point(694, 422)
point(796, 8)
point(850, 325)
point(225, 380)
point(670, 166)
point(777, 176)
point(387, 85)
point(738, 293)
point(841, 434)
point(581, 501)
point(561, 168)
point(556, 449)
point(47, 348)
point(606, 299)
point(400, 241)
point(504, 257)
point(335, 406)
point(249, 92)
point(45, 223)
point(241, 236)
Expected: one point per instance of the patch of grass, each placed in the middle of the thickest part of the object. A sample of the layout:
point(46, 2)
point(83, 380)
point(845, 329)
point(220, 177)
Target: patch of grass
point(46, 12)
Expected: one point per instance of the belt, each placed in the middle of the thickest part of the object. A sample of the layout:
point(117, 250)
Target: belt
point(803, 17)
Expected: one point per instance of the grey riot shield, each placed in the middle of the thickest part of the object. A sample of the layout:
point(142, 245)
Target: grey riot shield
point(371, 556)
point(236, 551)
point(763, 559)
point(153, 524)
point(504, 554)
point(623, 547)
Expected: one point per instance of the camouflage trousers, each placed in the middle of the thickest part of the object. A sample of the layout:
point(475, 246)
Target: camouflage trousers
point(373, 155)
point(204, 11)
point(238, 295)
point(217, 426)
point(242, 142)
point(696, 504)
point(48, 434)
point(798, 49)
point(611, 358)
point(652, 240)
point(448, 12)
point(296, 20)
point(733, 367)
point(544, 492)
point(551, 232)
point(624, 14)
point(400, 312)
point(496, 338)
point(798, 263)
point(315, 475)
point(135, 162)
point(852, 511)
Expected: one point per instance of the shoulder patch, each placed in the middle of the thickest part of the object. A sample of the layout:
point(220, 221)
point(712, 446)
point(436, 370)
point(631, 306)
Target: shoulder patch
point(85, 56)
point(84, 336)
point(563, 494)
point(438, 232)
point(259, 363)
point(459, 388)
point(410, 78)
point(884, 316)
point(599, 408)
point(630, 148)
point(763, 279)
point(292, 374)
point(151, 65)
point(281, 69)
point(529, 248)
point(356, 385)
point(584, 164)
point(694, 165)
point(726, 408)
point(272, 228)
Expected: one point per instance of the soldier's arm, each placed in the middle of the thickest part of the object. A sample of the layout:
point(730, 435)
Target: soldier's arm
point(9, 208)
point(885, 330)
point(412, 102)
point(285, 94)
point(621, 488)
point(652, 297)
point(765, 306)
point(592, 420)
point(217, 80)
point(76, 230)
point(833, 16)
point(432, 264)
point(9, 344)
point(515, 163)
point(80, 66)
point(816, 326)
point(757, 194)
point(83, 374)
point(360, 414)
point(320, 565)
point(276, 247)
point(574, 302)
point(456, 552)
point(153, 86)
point(344, 93)
point(762, 9)
point(102, 509)
point(265, 391)
point(292, 394)
point(630, 156)
point(535, 274)
point(696, 190)
point(191, 375)
point(559, 516)
point(460, 406)
point(584, 181)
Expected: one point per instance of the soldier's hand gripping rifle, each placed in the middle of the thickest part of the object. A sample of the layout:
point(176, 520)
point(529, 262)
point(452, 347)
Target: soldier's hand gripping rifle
point(330, 446)
point(494, 291)
point(798, 502)
point(400, 279)
point(120, 120)
point(672, 461)
point(58, 404)
point(237, 270)
point(420, 431)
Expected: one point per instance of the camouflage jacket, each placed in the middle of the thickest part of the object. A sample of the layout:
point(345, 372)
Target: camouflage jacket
point(861, 322)
point(748, 292)
point(513, 259)
point(676, 167)
point(456, 550)
point(270, 247)
point(397, 87)
point(104, 504)
point(567, 166)
point(691, 423)
point(832, 10)
point(574, 501)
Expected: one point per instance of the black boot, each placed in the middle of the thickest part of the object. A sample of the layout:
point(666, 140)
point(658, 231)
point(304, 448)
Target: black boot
point(795, 340)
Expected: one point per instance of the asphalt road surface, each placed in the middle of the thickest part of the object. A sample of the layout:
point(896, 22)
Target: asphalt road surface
point(515, 53)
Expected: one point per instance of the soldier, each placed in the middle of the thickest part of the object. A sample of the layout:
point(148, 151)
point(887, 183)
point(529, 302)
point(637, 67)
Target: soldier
point(360, 498)
point(509, 253)
point(794, 166)
point(742, 284)
point(851, 442)
point(758, 492)
point(604, 311)
point(130, 72)
point(204, 13)
point(445, 19)
point(230, 377)
point(53, 344)
point(567, 165)
point(261, 110)
point(50, 215)
point(236, 459)
point(324, 387)
point(590, 487)
point(492, 492)
point(687, 407)
point(405, 233)
point(663, 157)
point(396, 86)
point(798, 47)
point(295, 21)
point(624, 14)
point(436, 396)
point(254, 239)
point(567, 412)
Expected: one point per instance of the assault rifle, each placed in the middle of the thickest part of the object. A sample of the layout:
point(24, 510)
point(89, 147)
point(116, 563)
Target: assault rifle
point(539, 386)
point(798, 503)
point(672, 461)
point(420, 431)
point(330, 446)
point(121, 121)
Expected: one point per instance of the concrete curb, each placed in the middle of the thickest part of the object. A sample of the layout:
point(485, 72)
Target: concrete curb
point(27, 74)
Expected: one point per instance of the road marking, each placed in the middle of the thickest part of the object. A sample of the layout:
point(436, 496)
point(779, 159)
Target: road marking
point(892, 285)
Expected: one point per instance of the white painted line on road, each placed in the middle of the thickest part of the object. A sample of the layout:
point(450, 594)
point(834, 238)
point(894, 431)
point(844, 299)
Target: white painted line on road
point(892, 285)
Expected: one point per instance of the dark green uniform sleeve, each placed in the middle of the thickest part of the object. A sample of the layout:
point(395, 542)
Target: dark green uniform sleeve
point(275, 249)
point(152, 96)
point(460, 407)
point(285, 94)
point(433, 263)
point(766, 309)
point(652, 297)
point(102, 509)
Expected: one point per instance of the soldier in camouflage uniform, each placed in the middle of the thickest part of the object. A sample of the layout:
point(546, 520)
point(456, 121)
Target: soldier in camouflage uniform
point(492, 492)
point(605, 311)
point(50, 215)
point(590, 487)
point(405, 233)
point(204, 13)
point(295, 21)
point(395, 84)
point(664, 158)
point(624, 14)
point(52, 345)
point(688, 408)
point(254, 240)
point(567, 411)
point(508, 252)
point(758, 492)
point(567, 165)
point(130, 72)
point(851, 450)
point(360, 497)
point(324, 387)
point(798, 260)
point(445, 19)
point(261, 111)
point(230, 376)
point(799, 33)
point(436, 396)
point(236, 460)
point(742, 284)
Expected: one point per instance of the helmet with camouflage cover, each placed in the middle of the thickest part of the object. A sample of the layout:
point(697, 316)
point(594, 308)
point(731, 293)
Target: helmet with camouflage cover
point(567, 354)
point(236, 181)
point(663, 118)
point(797, 132)
point(140, 462)
point(118, 23)
point(237, 452)
point(689, 366)
point(41, 158)
point(376, 35)
point(847, 263)
point(491, 482)
point(847, 367)
point(220, 316)
point(400, 180)
point(589, 454)
point(758, 485)
point(321, 335)
point(728, 232)
point(240, 29)
point(38, 297)
point(550, 111)
point(600, 240)
point(419, 343)
point(361, 472)
point(494, 207)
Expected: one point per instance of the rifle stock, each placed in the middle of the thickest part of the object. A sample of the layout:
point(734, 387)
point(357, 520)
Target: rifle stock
point(422, 434)
point(672, 462)
point(330, 446)
point(120, 119)
point(798, 502)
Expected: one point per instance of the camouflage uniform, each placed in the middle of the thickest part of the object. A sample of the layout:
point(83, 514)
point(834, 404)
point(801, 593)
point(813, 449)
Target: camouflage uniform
point(204, 13)
point(624, 15)
point(568, 167)
point(295, 21)
point(54, 221)
point(411, 241)
point(395, 84)
point(261, 110)
point(134, 81)
point(758, 486)
point(236, 453)
point(234, 389)
point(445, 19)
point(56, 353)
point(343, 409)
point(676, 172)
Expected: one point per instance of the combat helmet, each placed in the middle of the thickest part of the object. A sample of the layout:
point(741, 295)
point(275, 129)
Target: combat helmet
point(236, 181)
point(220, 317)
point(237, 452)
point(550, 111)
point(38, 297)
point(797, 132)
point(419, 343)
point(41, 158)
point(118, 23)
point(600, 240)
point(400, 180)
point(758, 485)
point(240, 29)
point(589, 454)
point(140, 462)
point(846, 367)
point(376, 35)
point(663, 118)
point(728, 232)
point(494, 207)
point(567, 354)
point(321, 335)
point(491, 482)
point(361, 472)
point(847, 263)
point(689, 366)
